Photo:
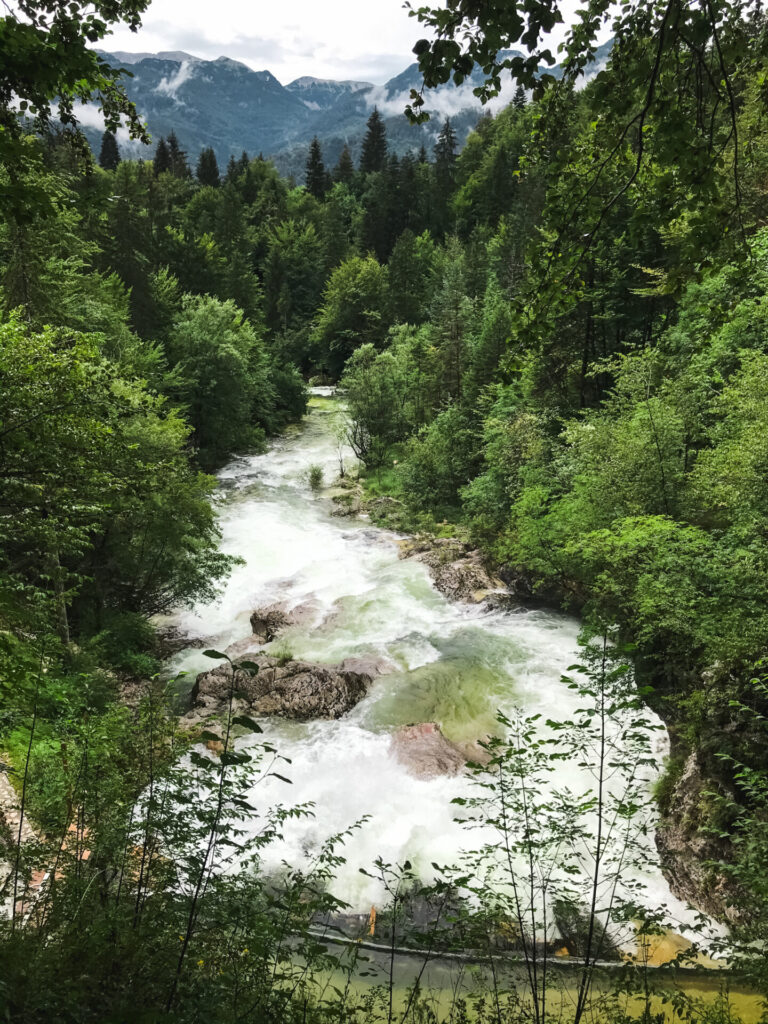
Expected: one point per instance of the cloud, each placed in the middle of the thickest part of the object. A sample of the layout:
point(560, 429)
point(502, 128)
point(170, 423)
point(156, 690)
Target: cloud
point(170, 86)
point(89, 116)
point(371, 40)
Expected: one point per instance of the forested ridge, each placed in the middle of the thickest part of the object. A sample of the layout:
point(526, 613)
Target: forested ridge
point(553, 348)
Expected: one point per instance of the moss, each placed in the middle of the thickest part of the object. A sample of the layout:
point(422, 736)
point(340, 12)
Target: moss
point(665, 786)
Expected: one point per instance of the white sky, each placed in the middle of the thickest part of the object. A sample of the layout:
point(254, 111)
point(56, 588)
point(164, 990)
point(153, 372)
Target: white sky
point(357, 39)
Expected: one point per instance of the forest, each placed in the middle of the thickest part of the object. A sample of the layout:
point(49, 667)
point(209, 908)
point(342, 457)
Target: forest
point(552, 346)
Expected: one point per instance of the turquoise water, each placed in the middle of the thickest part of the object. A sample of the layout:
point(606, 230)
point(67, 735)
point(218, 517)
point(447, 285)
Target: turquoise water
point(453, 664)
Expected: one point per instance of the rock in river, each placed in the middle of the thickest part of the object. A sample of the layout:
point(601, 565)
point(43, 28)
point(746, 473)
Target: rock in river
point(458, 570)
point(270, 621)
point(425, 752)
point(291, 689)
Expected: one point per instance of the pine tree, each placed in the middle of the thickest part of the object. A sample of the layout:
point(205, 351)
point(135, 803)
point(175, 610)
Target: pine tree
point(243, 162)
point(208, 168)
point(344, 171)
point(519, 101)
point(178, 158)
point(374, 154)
point(109, 157)
point(423, 154)
point(162, 161)
point(232, 169)
point(316, 178)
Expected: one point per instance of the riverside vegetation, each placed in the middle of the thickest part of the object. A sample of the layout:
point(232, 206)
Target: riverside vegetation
point(553, 343)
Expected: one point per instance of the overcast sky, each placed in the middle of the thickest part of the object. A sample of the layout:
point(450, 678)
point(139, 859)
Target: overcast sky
point(358, 39)
point(365, 39)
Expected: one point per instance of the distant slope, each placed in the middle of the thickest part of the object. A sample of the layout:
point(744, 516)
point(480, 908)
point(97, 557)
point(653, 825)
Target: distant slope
point(224, 104)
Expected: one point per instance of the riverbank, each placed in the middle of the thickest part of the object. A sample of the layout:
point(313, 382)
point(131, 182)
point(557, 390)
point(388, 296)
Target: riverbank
point(457, 645)
point(689, 847)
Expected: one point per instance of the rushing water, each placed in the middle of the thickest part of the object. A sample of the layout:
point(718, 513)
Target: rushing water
point(455, 664)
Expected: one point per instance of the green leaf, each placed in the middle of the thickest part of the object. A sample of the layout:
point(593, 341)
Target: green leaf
point(217, 655)
point(281, 777)
point(247, 723)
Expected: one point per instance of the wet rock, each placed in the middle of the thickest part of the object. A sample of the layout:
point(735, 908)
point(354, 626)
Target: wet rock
point(425, 752)
point(270, 621)
point(686, 852)
point(458, 571)
point(347, 502)
point(368, 666)
point(292, 689)
point(501, 601)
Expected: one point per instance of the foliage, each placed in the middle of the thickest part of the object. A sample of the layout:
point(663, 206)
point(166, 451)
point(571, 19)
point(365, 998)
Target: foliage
point(353, 311)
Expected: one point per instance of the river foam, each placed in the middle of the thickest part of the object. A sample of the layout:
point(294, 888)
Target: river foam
point(455, 665)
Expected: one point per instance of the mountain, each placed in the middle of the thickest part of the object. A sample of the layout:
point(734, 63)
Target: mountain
point(224, 104)
point(323, 93)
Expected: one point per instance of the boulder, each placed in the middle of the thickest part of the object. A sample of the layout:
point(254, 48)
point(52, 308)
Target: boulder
point(292, 689)
point(425, 752)
point(347, 503)
point(457, 570)
point(368, 666)
point(271, 620)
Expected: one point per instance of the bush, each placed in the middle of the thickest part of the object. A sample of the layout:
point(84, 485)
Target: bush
point(441, 460)
point(315, 476)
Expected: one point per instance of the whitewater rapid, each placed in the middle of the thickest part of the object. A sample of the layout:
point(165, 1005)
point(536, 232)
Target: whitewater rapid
point(457, 665)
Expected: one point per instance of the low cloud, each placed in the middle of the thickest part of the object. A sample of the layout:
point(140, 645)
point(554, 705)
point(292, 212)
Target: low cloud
point(89, 116)
point(451, 100)
point(171, 85)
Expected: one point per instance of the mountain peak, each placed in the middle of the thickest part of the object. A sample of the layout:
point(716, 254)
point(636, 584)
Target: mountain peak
point(125, 57)
point(332, 85)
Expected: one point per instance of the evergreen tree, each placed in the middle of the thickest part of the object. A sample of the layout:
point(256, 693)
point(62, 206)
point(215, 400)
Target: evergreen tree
point(109, 157)
point(178, 158)
point(243, 162)
point(232, 169)
point(423, 154)
point(445, 147)
point(374, 153)
point(208, 168)
point(444, 178)
point(519, 101)
point(162, 161)
point(344, 171)
point(316, 178)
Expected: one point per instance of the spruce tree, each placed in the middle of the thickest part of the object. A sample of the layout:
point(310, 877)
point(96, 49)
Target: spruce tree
point(162, 161)
point(208, 168)
point(232, 169)
point(344, 171)
point(374, 153)
point(518, 100)
point(443, 170)
point(445, 147)
point(109, 157)
point(423, 154)
point(178, 158)
point(316, 178)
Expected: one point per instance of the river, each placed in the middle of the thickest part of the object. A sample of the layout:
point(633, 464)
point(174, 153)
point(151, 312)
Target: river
point(455, 664)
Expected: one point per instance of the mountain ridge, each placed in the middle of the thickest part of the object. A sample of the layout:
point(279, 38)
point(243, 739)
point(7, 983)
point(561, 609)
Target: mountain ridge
point(225, 104)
